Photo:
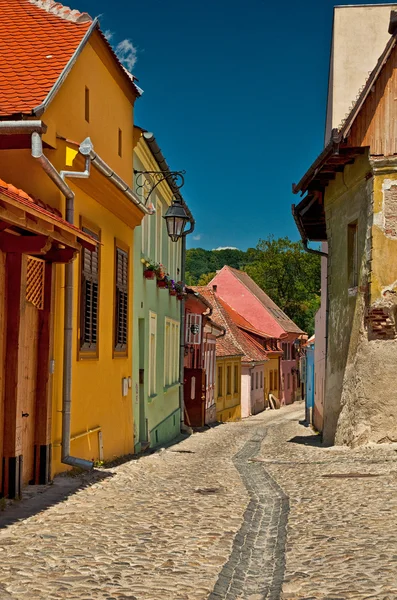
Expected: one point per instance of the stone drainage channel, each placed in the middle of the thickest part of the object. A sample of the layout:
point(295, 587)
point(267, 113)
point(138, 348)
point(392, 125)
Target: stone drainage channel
point(255, 569)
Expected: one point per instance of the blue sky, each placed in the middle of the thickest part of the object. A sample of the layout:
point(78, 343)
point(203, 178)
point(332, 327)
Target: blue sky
point(235, 93)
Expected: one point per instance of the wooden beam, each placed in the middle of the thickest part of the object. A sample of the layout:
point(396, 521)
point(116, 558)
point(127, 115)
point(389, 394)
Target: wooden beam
point(24, 244)
point(61, 255)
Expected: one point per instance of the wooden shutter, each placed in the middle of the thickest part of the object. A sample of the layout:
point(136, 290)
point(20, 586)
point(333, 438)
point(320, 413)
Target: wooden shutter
point(89, 297)
point(121, 320)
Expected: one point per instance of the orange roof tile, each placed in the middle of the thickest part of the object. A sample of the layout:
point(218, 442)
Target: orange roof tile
point(38, 40)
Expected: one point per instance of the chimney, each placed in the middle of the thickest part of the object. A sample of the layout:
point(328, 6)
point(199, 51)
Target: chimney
point(214, 288)
point(393, 22)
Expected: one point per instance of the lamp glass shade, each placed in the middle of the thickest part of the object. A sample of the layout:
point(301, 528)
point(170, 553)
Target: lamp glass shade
point(176, 218)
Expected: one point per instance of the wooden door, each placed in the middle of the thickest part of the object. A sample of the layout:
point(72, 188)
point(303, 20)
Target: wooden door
point(194, 397)
point(28, 391)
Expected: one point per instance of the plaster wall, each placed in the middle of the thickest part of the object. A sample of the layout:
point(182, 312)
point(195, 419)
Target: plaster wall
point(156, 417)
point(245, 391)
point(347, 200)
point(359, 37)
point(369, 401)
point(288, 392)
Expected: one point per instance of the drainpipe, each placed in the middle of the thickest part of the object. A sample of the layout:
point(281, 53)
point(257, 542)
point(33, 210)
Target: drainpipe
point(182, 326)
point(58, 179)
point(312, 251)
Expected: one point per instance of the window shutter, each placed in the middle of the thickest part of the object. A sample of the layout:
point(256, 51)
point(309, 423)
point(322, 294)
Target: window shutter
point(121, 333)
point(193, 329)
point(89, 296)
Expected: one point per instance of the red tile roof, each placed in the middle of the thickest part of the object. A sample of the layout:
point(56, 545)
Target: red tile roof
point(236, 342)
point(279, 316)
point(38, 39)
point(36, 43)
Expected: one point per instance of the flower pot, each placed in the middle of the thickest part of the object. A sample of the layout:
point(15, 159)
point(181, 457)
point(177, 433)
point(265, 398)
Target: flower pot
point(148, 274)
point(172, 292)
point(180, 296)
point(161, 283)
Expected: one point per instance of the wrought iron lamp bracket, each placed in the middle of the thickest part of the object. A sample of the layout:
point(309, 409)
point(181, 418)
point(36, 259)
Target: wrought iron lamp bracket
point(148, 181)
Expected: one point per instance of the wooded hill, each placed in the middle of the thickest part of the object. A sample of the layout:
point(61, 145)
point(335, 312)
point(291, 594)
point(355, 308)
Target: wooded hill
point(282, 268)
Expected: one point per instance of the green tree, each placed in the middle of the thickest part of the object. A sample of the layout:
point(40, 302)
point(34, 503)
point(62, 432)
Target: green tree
point(290, 276)
point(205, 278)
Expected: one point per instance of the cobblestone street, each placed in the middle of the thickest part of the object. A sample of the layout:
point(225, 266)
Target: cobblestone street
point(252, 510)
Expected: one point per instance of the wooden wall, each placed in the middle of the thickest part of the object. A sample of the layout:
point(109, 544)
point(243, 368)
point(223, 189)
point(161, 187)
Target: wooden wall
point(376, 124)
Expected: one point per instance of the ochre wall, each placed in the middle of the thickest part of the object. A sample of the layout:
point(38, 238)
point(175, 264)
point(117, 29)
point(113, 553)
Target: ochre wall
point(228, 407)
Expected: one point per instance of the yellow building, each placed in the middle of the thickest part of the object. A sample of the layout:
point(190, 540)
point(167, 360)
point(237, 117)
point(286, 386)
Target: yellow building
point(81, 93)
point(228, 383)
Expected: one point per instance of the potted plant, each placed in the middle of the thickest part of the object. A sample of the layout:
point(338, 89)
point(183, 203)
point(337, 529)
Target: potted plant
point(171, 287)
point(161, 276)
point(180, 290)
point(149, 269)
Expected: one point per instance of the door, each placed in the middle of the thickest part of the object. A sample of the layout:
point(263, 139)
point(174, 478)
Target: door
point(28, 390)
point(194, 397)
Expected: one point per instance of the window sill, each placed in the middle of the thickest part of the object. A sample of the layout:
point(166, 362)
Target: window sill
point(152, 397)
point(170, 387)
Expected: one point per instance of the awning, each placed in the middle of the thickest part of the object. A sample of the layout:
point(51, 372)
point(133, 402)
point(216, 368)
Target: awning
point(29, 226)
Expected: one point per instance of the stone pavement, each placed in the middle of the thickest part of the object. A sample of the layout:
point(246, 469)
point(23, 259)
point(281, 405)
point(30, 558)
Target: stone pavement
point(255, 510)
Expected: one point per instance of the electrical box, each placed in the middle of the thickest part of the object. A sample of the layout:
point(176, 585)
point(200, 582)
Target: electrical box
point(124, 386)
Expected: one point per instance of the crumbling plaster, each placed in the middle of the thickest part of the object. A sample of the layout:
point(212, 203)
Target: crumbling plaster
point(361, 385)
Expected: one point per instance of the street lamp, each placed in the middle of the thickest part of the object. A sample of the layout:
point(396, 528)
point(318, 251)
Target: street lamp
point(176, 218)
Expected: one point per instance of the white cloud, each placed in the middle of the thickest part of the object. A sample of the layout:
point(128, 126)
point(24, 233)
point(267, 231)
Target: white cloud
point(225, 248)
point(108, 34)
point(127, 54)
point(197, 237)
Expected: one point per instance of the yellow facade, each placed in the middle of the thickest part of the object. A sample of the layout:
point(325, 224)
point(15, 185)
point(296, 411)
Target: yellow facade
point(97, 399)
point(228, 389)
point(272, 378)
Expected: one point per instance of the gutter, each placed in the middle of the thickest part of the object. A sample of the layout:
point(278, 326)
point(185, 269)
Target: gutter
point(58, 179)
point(101, 166)
point(295, 214)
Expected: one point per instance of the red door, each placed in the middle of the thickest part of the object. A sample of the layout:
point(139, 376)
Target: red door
point(194, 397)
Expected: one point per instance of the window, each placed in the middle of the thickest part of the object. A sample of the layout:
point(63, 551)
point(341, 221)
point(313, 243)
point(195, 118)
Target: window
point(120, 143)
point(89, 297)
point(252, 381)
point(256, 380)
point(171, 352)
point(236, 378)
point(121, 298)
point(271, 380)
point(87, 104)
point(261, 380)
point(159, 231)
point(352, 255)
point(275, 380)
point(152, 353)
point(228, 380)
point(220, 382)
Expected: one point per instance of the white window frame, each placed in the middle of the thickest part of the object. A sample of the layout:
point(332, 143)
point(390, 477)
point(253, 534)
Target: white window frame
point(193, 319)
point(158, 238)
point(171, 352)
point(152, 354)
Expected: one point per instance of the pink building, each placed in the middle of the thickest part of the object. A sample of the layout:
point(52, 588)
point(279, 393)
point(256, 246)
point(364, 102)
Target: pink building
point(249, 300)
